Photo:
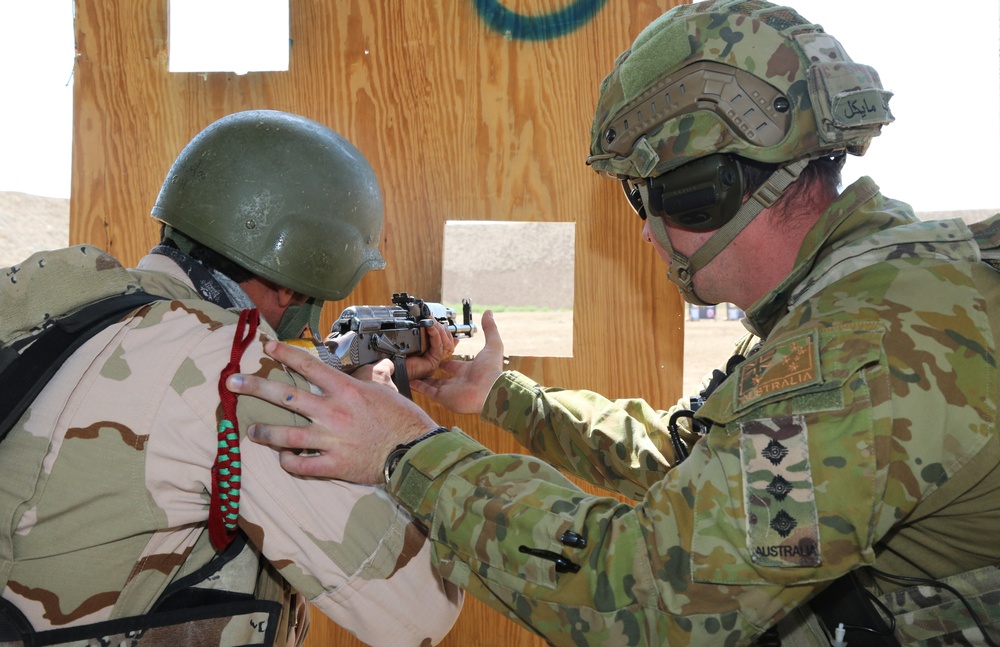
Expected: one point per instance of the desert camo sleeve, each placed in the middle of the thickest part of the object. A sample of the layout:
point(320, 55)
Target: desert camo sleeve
point(349, 549)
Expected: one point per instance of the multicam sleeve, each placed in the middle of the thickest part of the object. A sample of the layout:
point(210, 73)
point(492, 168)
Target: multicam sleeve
point(774, 503)
point(579, 569)
point(620, 445)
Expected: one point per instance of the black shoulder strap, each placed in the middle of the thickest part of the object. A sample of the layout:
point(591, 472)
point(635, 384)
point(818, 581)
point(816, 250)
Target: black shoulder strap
point(27, 374)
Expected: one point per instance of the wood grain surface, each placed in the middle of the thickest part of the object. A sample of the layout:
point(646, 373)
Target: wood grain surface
point(459, 122)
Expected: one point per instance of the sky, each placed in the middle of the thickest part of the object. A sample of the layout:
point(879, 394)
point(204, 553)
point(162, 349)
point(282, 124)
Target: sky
point(36, 107)
point(942, 153)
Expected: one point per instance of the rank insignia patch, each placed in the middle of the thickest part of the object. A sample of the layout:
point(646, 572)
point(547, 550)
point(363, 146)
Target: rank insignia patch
point(782, 521)
point(790, 365)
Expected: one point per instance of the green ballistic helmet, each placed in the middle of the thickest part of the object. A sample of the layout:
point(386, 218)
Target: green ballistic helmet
point(282, 196)
point(712, 83)
point(744, 77)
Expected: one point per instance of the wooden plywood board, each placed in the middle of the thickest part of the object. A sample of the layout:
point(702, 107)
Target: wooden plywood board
point(459, 122)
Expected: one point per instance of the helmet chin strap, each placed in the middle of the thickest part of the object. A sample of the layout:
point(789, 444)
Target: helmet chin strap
point(297, 317)
point(682, 269)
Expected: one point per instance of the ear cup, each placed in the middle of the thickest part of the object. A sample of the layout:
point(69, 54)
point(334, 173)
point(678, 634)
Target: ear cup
point(701, 195)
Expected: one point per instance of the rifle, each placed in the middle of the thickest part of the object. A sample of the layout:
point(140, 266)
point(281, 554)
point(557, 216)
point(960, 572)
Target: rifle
point(366, 334)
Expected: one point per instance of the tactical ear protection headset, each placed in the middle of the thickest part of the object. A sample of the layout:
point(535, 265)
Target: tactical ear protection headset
point(699, 196)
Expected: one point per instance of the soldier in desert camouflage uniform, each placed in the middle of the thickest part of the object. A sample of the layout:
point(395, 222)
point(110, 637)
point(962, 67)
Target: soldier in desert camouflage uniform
point(855, 446)
point(106, 480)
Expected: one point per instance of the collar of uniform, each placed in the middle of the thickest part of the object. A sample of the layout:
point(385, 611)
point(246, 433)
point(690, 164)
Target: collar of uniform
point(858, 211)
point(204, 280)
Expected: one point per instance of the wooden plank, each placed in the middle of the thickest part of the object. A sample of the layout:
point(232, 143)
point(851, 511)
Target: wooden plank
point(459, 122)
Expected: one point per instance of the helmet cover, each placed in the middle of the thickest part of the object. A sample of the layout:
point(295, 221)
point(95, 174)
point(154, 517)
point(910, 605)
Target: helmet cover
point(744, 77)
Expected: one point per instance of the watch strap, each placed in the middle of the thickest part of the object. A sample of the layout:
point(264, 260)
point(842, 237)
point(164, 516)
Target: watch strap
point(396, 455)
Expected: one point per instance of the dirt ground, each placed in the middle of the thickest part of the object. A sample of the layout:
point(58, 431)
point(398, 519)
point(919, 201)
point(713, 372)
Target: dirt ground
point(707, 345)
point(31, 223)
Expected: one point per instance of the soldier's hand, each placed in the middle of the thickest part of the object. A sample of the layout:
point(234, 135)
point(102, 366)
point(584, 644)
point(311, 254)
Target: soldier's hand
point(467, 384)
point(441, 344)
point(354, 423)
point(381, 372)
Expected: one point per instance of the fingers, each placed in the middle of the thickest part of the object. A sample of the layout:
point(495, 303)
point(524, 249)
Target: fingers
point(279, 393)
point(289, 437)
point(307, 365)
point(444, 339)
point(316, 466)
point(353, 423)
point(324, 455)
point(440, 344)
point(466, 384)
point(490, 331)
point(455, 366)
point(380, 372)
point(426, 387)
point(438, 341)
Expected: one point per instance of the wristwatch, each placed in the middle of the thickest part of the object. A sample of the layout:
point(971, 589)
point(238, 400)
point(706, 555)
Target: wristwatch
point(392, 460)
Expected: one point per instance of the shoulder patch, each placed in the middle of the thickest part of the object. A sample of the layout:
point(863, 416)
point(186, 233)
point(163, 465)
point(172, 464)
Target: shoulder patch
point(782, 520)
point(787, 366)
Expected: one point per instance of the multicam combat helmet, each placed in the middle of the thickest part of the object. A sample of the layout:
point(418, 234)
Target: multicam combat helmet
point(733, 79)
point(282, 196)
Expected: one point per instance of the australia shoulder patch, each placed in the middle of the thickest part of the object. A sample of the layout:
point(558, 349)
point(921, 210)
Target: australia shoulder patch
point(789, 365)
point(782, 521)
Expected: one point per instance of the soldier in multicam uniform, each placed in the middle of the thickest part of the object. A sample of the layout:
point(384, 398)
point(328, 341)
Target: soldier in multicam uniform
point(107, 479)
point(842, 484)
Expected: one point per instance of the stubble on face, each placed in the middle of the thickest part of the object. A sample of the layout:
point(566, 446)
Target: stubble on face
point(712, 283)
